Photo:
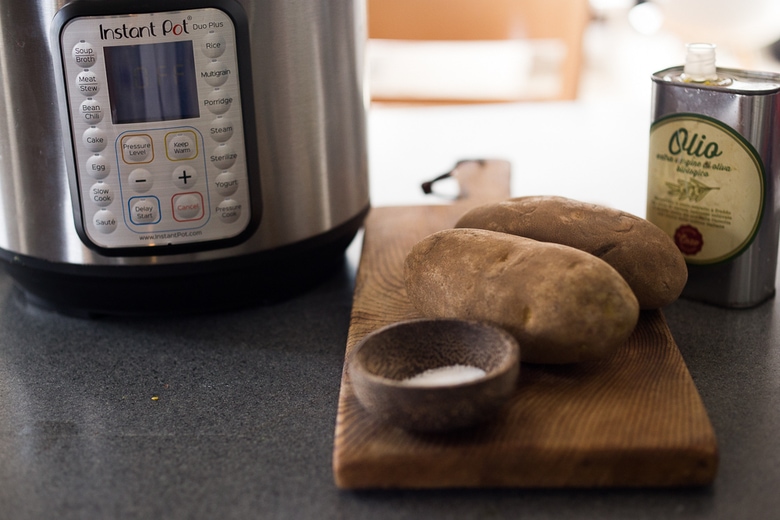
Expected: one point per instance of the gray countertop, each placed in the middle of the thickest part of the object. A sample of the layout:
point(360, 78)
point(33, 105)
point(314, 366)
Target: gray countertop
point(231, 415)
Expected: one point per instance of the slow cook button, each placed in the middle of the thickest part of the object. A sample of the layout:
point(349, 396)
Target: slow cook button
point(101, 194)
point(104, 221)
point(84, 54)
point(187, 206)
point(144, 210)
point(94, 139)
point(228, 211)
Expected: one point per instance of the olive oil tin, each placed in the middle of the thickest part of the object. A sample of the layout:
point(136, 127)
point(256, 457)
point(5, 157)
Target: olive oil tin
point(714, 165)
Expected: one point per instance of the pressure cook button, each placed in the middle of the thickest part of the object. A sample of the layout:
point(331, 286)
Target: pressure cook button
point(181, 146)
point(84, 54)
point(216, 73)
point(137, 149)
point(101, 194)
point(218, 101)
point(187, 206)
point(223, 156)
point(144, 210)
point(94, 139)
point(226, 183)
point(221, 129)
point(140, 180)
point(213, 45)
point(104, 221)
point(228, 211)
point(88, 83)
point(91, 111)
point(185, 177)
point(98, 166)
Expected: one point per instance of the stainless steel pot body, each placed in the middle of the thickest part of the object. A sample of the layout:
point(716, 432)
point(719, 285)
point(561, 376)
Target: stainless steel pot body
point(309, 113)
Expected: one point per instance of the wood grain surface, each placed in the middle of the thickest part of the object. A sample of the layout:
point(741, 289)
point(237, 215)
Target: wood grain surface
point(635, 419)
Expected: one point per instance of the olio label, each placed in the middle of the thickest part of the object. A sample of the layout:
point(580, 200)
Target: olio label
point(705, 187)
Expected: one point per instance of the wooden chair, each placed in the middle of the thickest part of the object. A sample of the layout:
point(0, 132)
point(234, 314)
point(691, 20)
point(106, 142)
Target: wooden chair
point(531, 21)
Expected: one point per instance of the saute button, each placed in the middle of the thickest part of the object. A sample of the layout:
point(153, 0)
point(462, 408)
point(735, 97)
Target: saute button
point(94, 139)
point(104, 221)
point(228, 211)
point(226, 183)
point(84, 54)
point(216, 74)
point(101, 194)
point(213, 45)
point(98, 166)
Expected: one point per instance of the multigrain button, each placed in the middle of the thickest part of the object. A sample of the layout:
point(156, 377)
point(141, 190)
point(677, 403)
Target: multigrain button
point(87, 83)
point(98, 166)
point(101, 194)
point(84, 54)
point(228, 211)
point(187, 206)
point(104, 221)
point(91, 111)
point(215, 73)
point(137, 149)
point(94, 139)
point(218, 101)
point(181, 146)
point(221, 129)
point(223, 156)
point(213, 45)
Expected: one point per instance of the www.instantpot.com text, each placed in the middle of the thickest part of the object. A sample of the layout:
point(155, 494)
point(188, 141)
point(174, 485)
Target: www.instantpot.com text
point(170, 236)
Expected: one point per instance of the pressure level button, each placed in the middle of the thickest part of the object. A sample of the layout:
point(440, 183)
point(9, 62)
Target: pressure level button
point(84, 54)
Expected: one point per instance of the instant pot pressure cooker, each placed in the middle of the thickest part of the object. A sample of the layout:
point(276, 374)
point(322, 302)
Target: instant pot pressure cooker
point(179, 155)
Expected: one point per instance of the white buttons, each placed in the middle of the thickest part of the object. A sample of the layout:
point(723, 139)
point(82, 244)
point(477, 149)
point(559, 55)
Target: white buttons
point(84, 54)
point(91, 111)
point(221, 129)
point(188, 206)
point(137, 149)
point(94, 139)
point(218, 101)
point(144, 210)
point(213, 45)
point(185, 177)
point(101, 194)
point(98, 166)
point(181, 146)
point(216, 73)
point(140, 180)
point(226, 183)
point(228, 211)
point(223, 156)
point(87, 83)
point(104, 221)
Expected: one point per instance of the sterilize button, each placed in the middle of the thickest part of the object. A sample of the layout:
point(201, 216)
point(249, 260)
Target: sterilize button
point(223, 156)
point(137, 149)
point(101, 194)
point(215, 73)
point(104, 221)
point(140, 180)
point(84, 54)
point(144, 210)
point(94, 139)
point(226, 183)
point(221, 129)
point(98, 166)
point(187, 206)
point(91, 111)
point(185, 177)
point(213, 45)
point(228, 211)
point(218, 101)
point(88, 83)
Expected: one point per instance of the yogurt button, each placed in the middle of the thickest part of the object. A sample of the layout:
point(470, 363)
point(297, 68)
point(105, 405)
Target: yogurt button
point(216, 73)
point(140, 180)
point(94, 139)
point(228, 211)
point(84, 54)
point(91, 111)
point(101, 194)
point(213, 45)
point(226, 183)
point(98, 166)
point(221, 129)
point(104, 221)
point(88, 83)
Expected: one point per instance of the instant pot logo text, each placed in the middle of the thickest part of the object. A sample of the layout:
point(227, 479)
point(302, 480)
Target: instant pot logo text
point(150, 30)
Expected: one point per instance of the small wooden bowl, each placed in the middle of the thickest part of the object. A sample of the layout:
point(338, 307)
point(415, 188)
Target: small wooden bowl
point(382, 363)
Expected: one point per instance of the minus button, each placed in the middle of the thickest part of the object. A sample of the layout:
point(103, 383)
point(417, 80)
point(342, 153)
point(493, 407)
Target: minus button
point(140, 180)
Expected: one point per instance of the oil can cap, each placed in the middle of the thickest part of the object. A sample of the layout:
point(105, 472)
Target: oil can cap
point(700, 62)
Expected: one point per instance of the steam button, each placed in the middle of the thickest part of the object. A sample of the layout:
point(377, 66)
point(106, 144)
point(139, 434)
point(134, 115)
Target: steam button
point(221, 129)
point(84, 54)
point(213, 45)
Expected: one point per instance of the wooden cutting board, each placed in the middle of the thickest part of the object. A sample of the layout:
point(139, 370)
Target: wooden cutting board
point(635, 419)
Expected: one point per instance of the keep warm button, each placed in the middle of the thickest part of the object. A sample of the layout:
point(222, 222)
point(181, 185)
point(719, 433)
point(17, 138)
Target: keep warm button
point(187, 206)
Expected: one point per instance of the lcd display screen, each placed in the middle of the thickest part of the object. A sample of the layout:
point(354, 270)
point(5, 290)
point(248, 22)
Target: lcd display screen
point(151, 82)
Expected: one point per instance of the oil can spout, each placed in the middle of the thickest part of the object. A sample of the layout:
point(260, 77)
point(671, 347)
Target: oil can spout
point(700, 62)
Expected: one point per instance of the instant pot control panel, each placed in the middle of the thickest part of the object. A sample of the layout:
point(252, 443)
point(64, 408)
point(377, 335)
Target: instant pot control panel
point(160, 114)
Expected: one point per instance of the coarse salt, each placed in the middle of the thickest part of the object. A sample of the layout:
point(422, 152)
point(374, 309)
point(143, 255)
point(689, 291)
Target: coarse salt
point(445, 376)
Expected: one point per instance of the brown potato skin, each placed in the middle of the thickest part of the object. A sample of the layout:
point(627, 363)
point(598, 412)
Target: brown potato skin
point(639, 250)
point(562, 304)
